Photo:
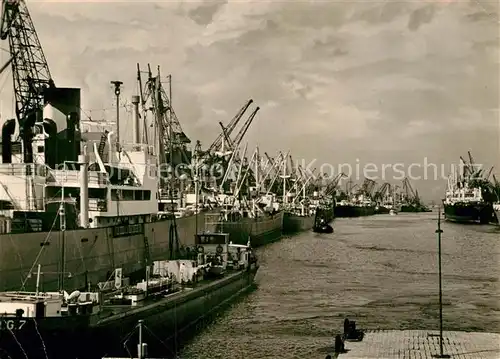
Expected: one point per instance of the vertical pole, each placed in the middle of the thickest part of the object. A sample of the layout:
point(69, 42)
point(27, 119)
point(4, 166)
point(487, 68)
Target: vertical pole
point(117, 94)
point(62, 219)
point(84, 190)
point(439, 231)
point(140, 351)
point(196, 189)
point(284, 181)
point(38, 272)
point(136, 120)
point(170, 89)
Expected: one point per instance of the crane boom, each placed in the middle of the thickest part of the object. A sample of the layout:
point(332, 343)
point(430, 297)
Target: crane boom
point(246, 125)
point(230, 127)
point(30, 71)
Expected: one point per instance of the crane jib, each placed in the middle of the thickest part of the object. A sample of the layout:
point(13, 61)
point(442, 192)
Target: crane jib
point(30, 71)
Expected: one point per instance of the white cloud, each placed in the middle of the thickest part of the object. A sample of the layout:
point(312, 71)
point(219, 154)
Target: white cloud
point(342, 76)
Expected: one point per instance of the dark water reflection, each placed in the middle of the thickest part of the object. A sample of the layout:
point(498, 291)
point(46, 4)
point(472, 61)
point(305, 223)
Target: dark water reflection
point(379, 270)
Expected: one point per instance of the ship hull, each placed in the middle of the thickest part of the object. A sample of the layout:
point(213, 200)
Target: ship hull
point(172, 320)
point(44, 338)
point(354, 211)
point(90, 254)
point(414, 209)
point(468, 212)
point(260, 231)
point(382, 210)
point(293, 223)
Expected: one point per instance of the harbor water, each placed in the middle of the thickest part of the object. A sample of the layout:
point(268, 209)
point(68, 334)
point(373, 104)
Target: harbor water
point(380, 271)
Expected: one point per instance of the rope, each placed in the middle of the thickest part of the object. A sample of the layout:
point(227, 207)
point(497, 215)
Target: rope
point(19, 344)
point(157, 338)
point(41, 339)
point(39, 253)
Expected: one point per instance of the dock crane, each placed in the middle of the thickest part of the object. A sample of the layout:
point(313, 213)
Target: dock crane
point(331, 188)
point(367, 187)
point(234, 143)
point(30, 71)
point(215, 146)
point(382, 192)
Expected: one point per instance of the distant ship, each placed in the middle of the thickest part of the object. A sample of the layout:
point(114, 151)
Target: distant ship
point(356, 204)
point(468, 198)
point(349, 209)
point(410, 200)
point(464, 204)
point(385, 198)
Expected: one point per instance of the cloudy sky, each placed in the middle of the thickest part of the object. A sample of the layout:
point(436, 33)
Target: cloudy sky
point(378, 81)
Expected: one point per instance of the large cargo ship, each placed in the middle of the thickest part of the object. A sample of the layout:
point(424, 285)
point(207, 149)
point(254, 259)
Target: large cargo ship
point(128, 210)
point(298, 221)
point(467, 198)
point(293, 223)
point(301, 218)
point(259, 230)
point(456, 209)
point(114, 209)
point(172, 297)
point(349, 209)
point(356, 204)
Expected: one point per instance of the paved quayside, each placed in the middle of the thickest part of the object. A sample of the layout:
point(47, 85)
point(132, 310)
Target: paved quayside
point(418, 344)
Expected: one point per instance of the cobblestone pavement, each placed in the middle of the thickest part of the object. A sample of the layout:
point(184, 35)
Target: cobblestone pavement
point(418, 344)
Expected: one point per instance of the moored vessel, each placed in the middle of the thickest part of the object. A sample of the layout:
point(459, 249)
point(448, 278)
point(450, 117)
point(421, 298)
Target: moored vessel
point(171, 298)
point(296, 222)
point(468, 198)
point(356, 204)
point(320, 203)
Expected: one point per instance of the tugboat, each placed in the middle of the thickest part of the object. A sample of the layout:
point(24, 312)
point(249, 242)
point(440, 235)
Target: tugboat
point(321, 226)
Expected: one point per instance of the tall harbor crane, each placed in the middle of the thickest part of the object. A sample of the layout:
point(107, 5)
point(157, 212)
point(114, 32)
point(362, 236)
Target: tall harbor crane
point(215, 146)
point(30, 71)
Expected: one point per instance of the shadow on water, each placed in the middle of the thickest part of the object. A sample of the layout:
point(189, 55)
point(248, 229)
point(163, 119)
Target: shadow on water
point(380, 271)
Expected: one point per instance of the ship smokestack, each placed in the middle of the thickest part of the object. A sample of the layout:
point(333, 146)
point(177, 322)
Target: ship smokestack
point(7, 131)
point(72, 122)
point(83, 160)
point(135, 118)
point(26, 133)
point(50, 128)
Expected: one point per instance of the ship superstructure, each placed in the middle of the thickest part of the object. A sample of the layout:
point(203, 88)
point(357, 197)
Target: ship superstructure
point(386, 199)
point(468, 197)
point(357, 203)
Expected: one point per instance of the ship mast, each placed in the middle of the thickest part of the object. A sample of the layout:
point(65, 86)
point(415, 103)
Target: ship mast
point(62, 219)
point(173, 224)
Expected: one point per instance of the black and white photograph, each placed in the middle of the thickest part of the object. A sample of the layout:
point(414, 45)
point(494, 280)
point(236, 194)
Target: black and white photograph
point(250, 179)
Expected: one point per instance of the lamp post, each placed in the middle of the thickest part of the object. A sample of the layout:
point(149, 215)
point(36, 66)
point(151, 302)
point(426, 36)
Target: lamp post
point(439, 231)
point(117, 85)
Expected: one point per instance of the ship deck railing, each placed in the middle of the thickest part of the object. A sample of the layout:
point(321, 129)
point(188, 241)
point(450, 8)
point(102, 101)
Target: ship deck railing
point(23, 169)
point(138, 147)
point(71, 178)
